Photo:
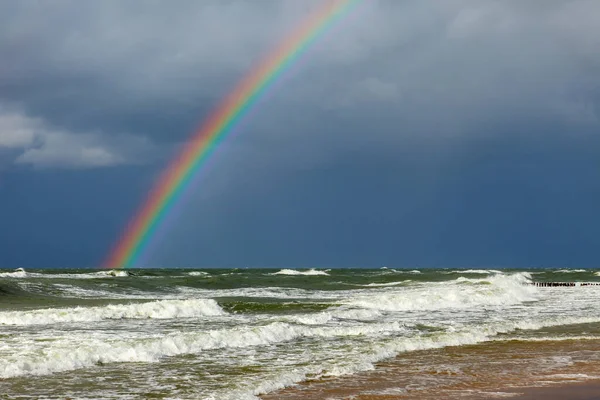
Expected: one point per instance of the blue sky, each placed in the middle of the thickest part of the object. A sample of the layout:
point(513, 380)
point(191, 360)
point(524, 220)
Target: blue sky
point(455, 133)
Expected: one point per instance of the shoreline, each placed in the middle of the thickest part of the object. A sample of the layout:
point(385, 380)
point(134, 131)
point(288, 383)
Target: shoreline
point(586, 390)
point(510, 369)
point(580, 390)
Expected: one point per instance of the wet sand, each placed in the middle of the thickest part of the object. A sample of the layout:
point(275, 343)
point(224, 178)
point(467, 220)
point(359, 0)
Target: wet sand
point(578, 391)
point(563, 369)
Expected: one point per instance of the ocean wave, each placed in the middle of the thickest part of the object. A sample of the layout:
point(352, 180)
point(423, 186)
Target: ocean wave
point(12, 289)
point(21, 273)
point(476, 271)
point(336, 314)
point(385, 284)
point(198, 273)
point(545, 338)
point(494, 290)
point(310, 272)
point(354, 363)
point(162, 309)
point(401, 271)
point(350, 330)
point(66, 355)
point(258, 292)
point(76, 292)
point(570, 271)
point(18, 273)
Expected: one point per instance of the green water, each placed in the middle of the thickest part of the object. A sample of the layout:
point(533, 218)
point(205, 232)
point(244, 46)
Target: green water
point(236, 333)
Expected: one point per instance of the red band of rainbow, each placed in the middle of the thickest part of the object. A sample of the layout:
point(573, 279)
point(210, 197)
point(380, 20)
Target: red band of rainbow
point(231, 111)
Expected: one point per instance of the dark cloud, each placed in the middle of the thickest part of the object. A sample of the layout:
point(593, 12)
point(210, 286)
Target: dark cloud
point(144, 67)
point(503, 200)
point(92, 84)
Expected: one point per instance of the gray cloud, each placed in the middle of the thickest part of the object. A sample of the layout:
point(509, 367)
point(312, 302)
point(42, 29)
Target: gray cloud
point(402, 68)
point(16, 131)
point(408, 111)
point(34, 142)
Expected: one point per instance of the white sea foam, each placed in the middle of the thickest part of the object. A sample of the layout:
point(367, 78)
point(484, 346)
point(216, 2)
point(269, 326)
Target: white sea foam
point(79, 292)
point(339, 313)
point(64, 355)
point(198, 273)
point(114, 272)
point(546, 338)
point(494, 290)
point(497, 395)
point(386, 284)
point(309, 272)
point(361, 327)
point(477, 271)
point(576, 377)
point(162, 309)
point(19, 273)
point(570, 271)
point(401, 271)
point(354, 363)
point(266, 292)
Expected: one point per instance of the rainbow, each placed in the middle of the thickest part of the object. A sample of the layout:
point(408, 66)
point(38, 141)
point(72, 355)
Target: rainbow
point(177, 177)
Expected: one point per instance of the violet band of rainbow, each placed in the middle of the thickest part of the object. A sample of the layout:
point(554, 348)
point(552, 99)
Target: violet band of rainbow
point(176, 178)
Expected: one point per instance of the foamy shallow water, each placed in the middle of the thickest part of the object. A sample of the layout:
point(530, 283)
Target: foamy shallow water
point(237, 334)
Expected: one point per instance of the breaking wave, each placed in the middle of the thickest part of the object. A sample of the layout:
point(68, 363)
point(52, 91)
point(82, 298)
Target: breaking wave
point(162, 309)
point(477, 271)
point(198, 273)
point(18, 273)
point(386, 284)
point(21, 273)
point(310, 272)
point(317, 327)
point(67, 355)
point(461, 293)
point(570, 271)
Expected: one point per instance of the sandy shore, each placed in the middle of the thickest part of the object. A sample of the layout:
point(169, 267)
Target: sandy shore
point(552, 370)
point(576, 391)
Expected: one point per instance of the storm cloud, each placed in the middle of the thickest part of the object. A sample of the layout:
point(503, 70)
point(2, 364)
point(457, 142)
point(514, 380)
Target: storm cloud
point(419, 87)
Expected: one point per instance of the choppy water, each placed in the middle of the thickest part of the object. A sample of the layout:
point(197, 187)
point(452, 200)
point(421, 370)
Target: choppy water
point(237, 334)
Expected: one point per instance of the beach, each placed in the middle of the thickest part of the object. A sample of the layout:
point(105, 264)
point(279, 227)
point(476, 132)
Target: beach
point(565, 369)
point(313, 333)
point(574, 391)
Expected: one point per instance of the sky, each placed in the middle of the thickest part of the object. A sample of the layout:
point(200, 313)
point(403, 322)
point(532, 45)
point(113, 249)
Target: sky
point(452, 133)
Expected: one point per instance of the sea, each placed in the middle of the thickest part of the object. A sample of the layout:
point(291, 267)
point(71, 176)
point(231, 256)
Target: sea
point(294, 333)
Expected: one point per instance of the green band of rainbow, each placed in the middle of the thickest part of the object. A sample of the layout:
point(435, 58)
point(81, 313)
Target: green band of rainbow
point(220, 123)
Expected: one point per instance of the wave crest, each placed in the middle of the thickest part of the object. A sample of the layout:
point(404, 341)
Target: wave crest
point(162, 309)
point(493, 290)
point(310, 272)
